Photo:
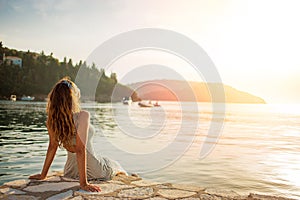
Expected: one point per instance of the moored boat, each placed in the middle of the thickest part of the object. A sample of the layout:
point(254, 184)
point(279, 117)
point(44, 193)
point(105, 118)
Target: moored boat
point(27, 98)
point(156, 104)
point(13, 97)
point(143, 104)
point(127, 100)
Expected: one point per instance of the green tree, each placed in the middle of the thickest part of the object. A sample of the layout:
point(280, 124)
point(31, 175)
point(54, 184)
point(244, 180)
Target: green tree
point(39, 72)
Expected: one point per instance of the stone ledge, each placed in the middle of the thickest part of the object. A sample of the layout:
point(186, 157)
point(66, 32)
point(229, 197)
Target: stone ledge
point(175, 193)
point(121, 187)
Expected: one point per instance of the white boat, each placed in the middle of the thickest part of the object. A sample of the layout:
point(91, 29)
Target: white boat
point(127, 100)
point(13, 97)
point(144, 104)
point(27, 98)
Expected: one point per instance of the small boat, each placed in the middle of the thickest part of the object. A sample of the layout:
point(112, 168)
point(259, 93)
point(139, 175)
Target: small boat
point(156, 104)
point(143, 104)
point(127, 100)
point(13, 97)
point(27, 98)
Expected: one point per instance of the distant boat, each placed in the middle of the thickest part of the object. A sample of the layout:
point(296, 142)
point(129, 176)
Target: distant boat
point(143, 104)
point(127, 100)
point(27, 98)
point(13, 97)
point(156, 104)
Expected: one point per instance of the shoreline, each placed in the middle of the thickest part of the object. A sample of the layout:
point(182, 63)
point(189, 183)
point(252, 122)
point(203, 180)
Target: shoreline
point(121, 187)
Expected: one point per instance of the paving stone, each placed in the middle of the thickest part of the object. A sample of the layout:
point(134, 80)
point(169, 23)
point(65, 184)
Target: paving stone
point(68, 179)
point(106, 188)
point(144, 183)
point(224, 193)
point(76, 198)
point(11, 191)
point(157, 198)
point(63, 195)
point(264, 197)
point(51, 187)
point(163, 186)
point(18, 197)
point(188, 187)
point(18, 183)
point(53, 179)
point(102, 198)
point(109, 188)
point(136, 193)
point(243, 197)
point(174, 193)
point(126, 179)
point(85, 193)
point(116, 182)
point(50, 179)
point(209, 197)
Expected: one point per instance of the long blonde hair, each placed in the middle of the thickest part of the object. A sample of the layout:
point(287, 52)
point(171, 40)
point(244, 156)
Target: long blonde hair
point(63, 102)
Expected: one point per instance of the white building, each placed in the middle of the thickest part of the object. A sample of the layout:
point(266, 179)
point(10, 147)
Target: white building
point(12, 60)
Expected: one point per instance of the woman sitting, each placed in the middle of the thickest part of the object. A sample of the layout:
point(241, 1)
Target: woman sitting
point(69, 127)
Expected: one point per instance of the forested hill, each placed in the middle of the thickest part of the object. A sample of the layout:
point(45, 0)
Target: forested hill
point(39, 72)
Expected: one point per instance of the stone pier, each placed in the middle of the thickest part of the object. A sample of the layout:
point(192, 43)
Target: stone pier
point(121, 187)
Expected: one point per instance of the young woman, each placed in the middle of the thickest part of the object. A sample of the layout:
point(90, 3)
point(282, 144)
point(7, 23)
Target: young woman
point(69, 127)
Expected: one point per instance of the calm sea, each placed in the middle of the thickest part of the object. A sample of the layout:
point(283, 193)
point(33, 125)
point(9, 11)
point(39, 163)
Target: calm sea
point(254, 148)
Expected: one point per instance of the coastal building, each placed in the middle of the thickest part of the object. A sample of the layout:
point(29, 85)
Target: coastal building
point(12, 60)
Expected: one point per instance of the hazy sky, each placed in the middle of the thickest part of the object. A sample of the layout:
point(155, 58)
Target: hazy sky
point(254, 44)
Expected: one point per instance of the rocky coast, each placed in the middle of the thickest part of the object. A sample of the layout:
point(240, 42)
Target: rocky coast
point(121, 187)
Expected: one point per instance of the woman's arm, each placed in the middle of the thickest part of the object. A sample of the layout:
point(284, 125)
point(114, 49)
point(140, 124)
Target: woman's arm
point(81, 140)
point(52, 148)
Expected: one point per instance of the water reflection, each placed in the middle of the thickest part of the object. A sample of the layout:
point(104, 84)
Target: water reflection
point(258, 150)
point(102, 117)
point(23, 139)
point(20, 116)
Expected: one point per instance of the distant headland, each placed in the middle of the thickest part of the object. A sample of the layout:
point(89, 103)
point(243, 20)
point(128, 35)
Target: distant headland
point(176, 90)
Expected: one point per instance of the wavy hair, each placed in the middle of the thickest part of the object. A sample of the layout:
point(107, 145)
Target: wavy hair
point(63, 102)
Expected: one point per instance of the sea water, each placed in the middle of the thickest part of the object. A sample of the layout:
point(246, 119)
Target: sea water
point(252, 148)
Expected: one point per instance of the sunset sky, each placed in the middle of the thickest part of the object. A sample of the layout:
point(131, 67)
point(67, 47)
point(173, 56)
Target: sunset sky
point(254, 44)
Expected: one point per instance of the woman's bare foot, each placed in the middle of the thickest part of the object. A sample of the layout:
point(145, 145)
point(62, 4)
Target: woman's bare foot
point(120, 173)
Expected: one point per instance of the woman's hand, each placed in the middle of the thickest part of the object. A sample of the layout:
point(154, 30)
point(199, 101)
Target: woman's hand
point(37, 176)
point(91, 188)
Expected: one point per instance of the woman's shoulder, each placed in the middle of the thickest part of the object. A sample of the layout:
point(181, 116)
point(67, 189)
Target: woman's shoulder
point(84, 112)
point(83, 115)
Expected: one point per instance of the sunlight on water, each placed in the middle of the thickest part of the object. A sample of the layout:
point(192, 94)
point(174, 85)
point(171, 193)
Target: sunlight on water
point(141, 132)
point(258, 150)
